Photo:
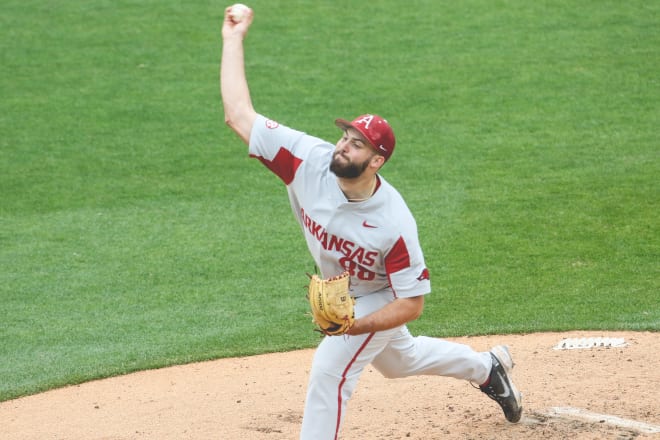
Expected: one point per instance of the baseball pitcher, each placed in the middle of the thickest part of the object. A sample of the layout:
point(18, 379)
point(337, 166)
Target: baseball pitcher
point(363, 238)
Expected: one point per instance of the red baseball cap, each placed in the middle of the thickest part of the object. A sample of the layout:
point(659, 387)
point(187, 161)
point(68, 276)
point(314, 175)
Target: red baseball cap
point(376, 130)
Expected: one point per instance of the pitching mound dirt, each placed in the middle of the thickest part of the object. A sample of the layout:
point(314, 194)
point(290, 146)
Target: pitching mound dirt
point(596, 393)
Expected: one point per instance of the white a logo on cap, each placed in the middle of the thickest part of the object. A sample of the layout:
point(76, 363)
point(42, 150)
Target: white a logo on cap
point(366, 120)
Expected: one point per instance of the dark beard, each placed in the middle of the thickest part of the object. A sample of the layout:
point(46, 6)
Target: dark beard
point(350, 170)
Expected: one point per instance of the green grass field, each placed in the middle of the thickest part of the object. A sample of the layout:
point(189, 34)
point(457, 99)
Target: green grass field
point(136, 233)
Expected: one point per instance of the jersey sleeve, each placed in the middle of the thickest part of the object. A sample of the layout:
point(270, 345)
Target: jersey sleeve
point(405, 266)
point(280, 148)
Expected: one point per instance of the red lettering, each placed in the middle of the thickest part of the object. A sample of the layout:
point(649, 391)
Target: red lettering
point(335, 243)
point(358, 255)
point(370, 258)
point(356, 270)
point(324, 239)
point(315, 229)
point(347, 248)
point(356, 260)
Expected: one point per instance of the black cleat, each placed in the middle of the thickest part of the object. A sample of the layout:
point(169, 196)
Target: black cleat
point(499, 386)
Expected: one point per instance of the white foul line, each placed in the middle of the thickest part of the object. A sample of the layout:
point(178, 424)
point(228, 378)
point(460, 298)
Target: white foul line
point(581, 414)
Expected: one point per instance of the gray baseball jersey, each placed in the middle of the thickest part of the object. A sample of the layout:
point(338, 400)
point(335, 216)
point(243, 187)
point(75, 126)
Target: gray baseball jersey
point(375, 240)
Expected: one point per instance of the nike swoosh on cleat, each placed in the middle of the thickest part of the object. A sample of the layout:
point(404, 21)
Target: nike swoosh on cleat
point(367, 225)
point(507, 390)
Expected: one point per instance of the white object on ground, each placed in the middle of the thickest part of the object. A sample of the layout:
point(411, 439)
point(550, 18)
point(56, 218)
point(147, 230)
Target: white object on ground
point(588, 416)
point(576, 343)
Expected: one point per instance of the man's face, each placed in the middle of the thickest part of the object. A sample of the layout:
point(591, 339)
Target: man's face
point(352, 155)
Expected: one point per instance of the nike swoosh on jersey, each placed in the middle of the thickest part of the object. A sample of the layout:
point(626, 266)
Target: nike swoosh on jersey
point(367, 225)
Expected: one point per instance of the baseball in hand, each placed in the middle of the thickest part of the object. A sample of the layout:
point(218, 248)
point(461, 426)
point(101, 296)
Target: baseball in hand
point(238, 12)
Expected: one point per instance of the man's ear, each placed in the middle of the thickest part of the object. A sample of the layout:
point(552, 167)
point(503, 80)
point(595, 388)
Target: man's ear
point(377, 161)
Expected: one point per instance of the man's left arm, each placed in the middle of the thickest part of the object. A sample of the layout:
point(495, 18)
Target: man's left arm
point(398, 312)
